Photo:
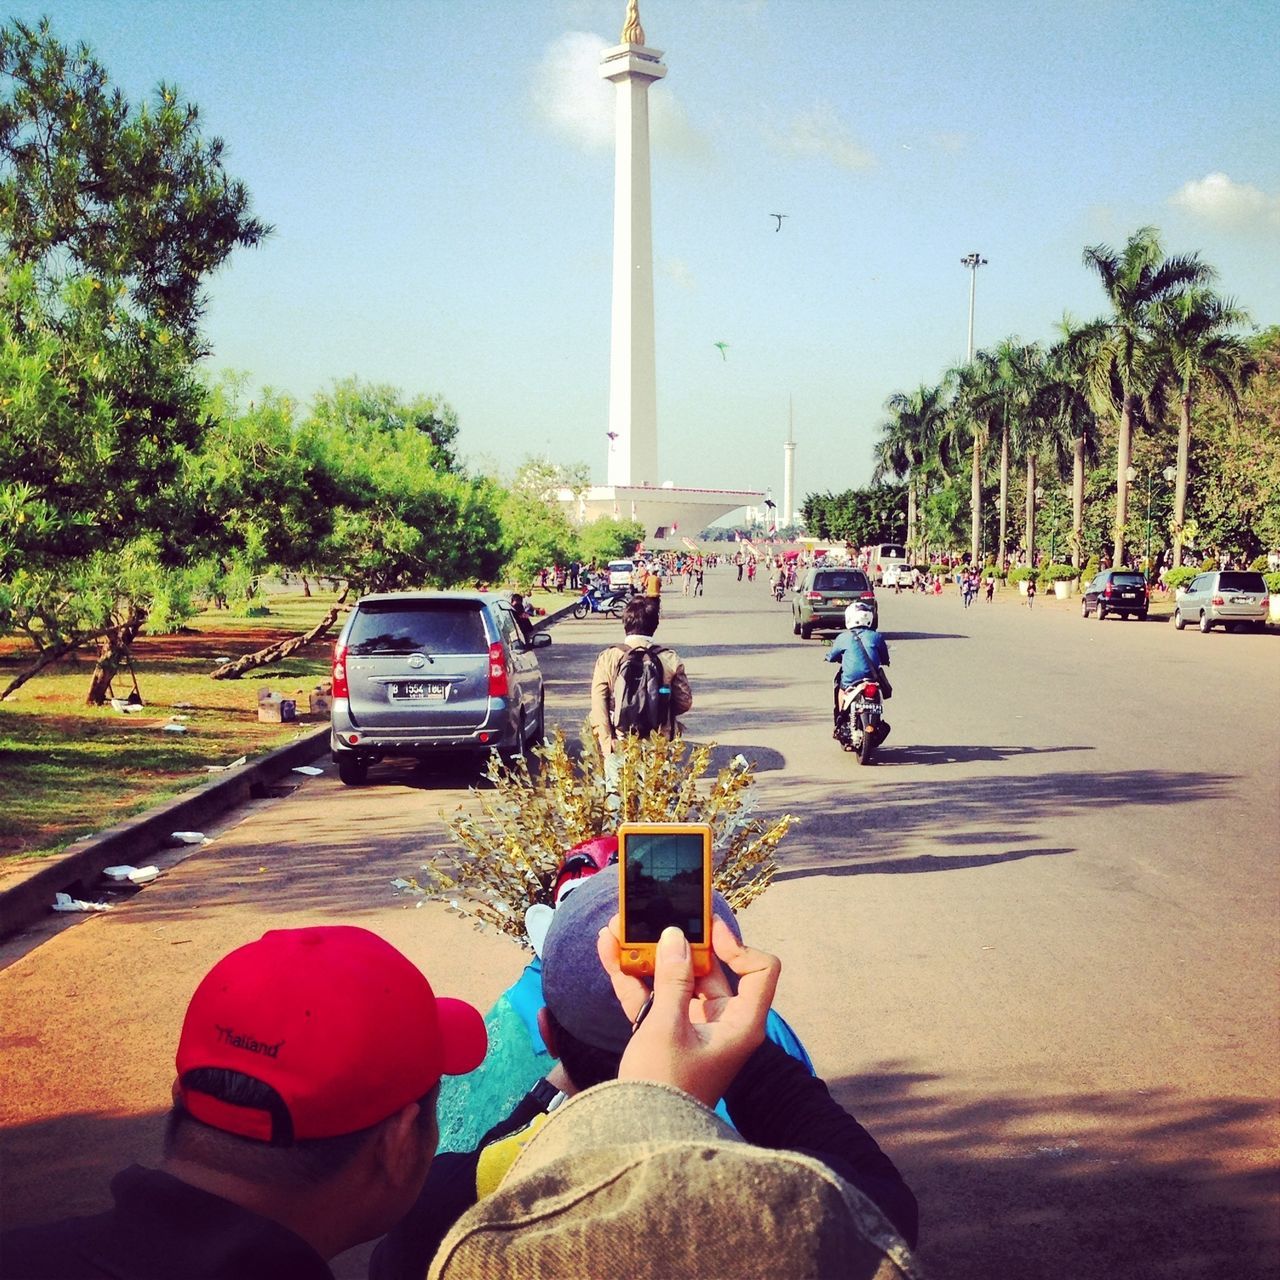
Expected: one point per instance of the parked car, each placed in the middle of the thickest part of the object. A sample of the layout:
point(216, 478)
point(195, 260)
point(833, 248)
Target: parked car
point(1230, 598)
point(822, 595)
point(622, 575)
point(420, 673)
point(1120, 591)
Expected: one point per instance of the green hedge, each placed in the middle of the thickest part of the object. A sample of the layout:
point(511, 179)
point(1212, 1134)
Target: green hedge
point(1175, 578)
point(1273, 582)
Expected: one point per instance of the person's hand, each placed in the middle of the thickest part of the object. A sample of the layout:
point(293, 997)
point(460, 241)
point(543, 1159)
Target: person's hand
point(698, 1033)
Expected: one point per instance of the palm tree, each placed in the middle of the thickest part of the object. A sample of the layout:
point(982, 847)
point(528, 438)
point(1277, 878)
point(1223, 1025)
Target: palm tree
point(1196, 341)
point(1033, 427)
point(1125, 358)
point(908, 440)
point(1017, 376)
point(974, 409)
point(1068, 362)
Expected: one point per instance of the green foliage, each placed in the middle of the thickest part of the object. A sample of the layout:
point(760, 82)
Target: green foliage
point(1175, 578)
point(607, 539)
point(94, 188)
point(1092, 567)
point(1058, 573)
point(1022, 573)
point(1273, 583)
point(857, 516)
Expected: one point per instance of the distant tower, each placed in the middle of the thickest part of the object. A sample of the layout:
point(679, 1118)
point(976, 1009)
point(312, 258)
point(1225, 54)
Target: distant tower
point(633, 398)
point(789, 471)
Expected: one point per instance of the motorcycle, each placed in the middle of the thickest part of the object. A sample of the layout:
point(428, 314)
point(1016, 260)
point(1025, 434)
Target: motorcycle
point(600, 600)
point(779, 590)
point(860, 725)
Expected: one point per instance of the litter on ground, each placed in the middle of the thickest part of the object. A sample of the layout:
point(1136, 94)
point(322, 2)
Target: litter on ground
point(65, 902)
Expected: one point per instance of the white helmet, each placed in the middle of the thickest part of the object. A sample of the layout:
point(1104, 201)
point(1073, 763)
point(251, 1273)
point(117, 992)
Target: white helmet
point(858, 614)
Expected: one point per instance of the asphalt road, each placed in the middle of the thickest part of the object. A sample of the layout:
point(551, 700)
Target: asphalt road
point(1035, 949)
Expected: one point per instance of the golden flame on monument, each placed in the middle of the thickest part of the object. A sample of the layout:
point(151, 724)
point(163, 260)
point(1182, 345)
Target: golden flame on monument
point(632, 31)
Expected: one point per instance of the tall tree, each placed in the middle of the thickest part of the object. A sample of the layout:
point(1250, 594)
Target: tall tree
point(1196, 338)
point(975, 410)
point(1075, 421)
point(908, 441)
point(1126, 359)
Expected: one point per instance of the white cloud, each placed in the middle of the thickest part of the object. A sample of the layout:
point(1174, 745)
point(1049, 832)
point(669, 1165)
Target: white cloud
point(1236, 205)
point(677, 271)
point(821, 133)
point(568, 94)
point(578, 106)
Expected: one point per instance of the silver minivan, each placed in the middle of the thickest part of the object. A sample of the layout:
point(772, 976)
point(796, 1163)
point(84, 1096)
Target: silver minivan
point(1228, 598)
point(418, 673)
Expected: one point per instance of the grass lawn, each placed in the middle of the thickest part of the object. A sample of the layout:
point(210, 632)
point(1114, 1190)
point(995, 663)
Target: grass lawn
point(67, 769)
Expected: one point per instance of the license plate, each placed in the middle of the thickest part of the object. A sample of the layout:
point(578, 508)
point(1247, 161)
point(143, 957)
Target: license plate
point(418, 690)
point(837, 602)
point(1128, 595)
point(1242, 600)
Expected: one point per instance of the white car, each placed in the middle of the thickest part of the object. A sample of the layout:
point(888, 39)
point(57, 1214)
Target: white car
point(621, 575)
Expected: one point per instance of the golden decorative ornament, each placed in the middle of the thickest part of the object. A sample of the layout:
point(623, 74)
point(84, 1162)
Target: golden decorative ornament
point(632, 31)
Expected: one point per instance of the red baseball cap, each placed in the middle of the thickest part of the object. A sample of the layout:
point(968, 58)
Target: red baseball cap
point(339, 1023)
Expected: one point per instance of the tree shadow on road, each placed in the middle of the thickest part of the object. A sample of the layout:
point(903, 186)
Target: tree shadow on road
point(1144, 1183)
point(840, 833)
point(931, 753)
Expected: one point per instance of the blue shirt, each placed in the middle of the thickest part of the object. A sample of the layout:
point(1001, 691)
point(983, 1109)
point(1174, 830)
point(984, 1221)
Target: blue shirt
point(854, 665)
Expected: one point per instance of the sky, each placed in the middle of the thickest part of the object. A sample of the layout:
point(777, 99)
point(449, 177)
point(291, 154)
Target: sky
point(439, 174)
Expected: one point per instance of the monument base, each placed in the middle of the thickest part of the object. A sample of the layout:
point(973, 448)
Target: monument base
point(667, 513)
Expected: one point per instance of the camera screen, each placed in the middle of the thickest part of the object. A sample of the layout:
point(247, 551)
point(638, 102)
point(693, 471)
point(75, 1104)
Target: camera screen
point(664, 885)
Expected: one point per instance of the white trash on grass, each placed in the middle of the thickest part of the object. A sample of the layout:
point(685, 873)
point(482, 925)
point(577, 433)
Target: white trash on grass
point(309, 769)
point(188, 837)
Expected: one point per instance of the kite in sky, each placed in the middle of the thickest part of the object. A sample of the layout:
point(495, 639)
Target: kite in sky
point(724, 346)
point(779, 217)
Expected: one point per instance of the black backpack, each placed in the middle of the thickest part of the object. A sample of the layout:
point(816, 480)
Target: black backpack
point(641, 694)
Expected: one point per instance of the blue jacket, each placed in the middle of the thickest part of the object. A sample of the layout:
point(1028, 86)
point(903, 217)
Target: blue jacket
point(853, 661)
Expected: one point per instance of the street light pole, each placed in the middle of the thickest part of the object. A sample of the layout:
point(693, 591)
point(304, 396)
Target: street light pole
point(973, 261)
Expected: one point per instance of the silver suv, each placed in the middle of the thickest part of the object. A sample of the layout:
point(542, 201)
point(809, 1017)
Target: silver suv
point(417, 673)
point(1230, 598)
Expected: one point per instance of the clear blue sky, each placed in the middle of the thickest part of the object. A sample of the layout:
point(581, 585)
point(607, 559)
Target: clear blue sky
point(439, 174)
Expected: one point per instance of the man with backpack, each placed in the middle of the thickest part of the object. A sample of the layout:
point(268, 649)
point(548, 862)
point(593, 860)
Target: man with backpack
point(638, 686)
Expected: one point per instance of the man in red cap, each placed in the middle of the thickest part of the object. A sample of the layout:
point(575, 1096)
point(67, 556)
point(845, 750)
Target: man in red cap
point(303, 1121)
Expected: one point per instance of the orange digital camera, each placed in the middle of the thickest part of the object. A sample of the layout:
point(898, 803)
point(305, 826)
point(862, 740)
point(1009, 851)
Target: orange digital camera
point(664, 878)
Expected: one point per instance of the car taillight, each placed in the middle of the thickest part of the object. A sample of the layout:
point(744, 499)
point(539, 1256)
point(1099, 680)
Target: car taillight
point(867, 595)
point(1107, 592)
point(813, 596)
point(497, 672)
point(1218, 602)
point(340, 671)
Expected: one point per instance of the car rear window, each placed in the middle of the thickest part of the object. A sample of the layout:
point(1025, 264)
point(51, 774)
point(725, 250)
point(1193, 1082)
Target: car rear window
point(1241, 582)
point(1128, 579)
point(431, 626)
point(891, 552)
point(835, 581)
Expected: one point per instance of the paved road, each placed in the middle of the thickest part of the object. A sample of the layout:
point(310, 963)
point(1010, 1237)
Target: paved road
point(1035, 949)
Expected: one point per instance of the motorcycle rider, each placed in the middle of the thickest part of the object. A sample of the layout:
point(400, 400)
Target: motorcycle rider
point(861, 651)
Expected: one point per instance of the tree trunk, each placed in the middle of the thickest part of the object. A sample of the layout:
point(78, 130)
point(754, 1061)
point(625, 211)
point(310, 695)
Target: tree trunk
point(306, 586)
point(113, 648)
point(1077, 500)
point(279, 651)
point(1031, 511)
point(46, 658)
point(975, 500)
point(1180, 490)
point(911, 513)
point(1004, 493)
point(1122, 483)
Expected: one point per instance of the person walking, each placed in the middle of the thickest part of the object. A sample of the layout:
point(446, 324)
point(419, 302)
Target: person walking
point(1031, 593)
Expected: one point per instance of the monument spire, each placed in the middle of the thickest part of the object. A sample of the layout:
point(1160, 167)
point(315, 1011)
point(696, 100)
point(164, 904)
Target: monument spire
point(633, 397)
point(632, 31)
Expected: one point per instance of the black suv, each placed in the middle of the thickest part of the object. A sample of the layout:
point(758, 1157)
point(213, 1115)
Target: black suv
point(822, 596)
point(1122, 591)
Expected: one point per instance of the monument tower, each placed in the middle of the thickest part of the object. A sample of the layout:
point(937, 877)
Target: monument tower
point(633, 398)
point(634, 490)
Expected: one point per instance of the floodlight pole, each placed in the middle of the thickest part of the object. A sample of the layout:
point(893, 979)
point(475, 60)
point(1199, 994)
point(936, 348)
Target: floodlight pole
point(973, 261)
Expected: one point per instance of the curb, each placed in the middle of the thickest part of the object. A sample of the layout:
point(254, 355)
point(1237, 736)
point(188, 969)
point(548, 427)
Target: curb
point(29, 894)
point(543, 623)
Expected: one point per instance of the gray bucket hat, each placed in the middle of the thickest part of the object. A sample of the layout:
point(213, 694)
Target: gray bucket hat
point(640, 1181)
